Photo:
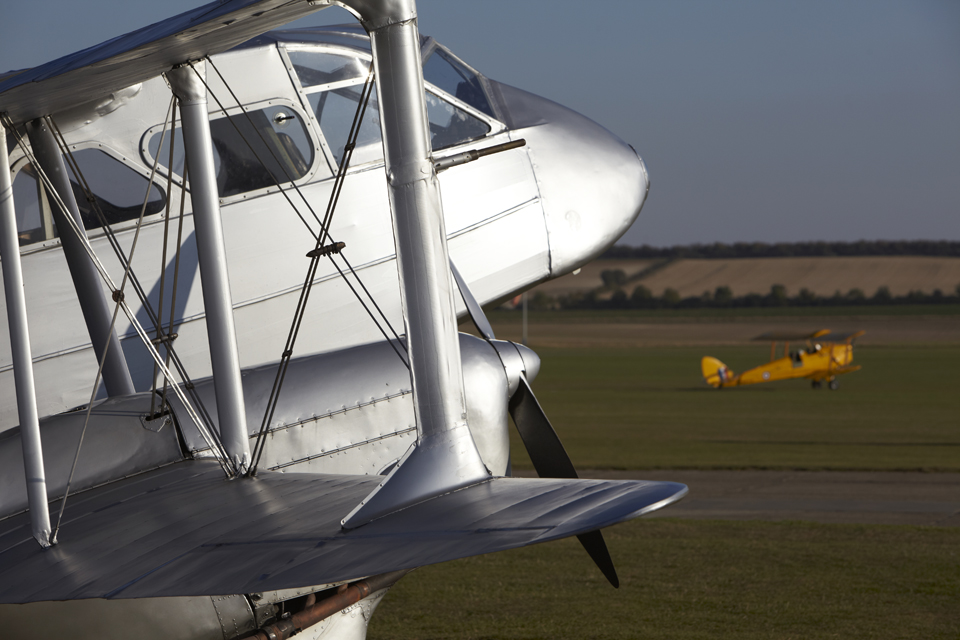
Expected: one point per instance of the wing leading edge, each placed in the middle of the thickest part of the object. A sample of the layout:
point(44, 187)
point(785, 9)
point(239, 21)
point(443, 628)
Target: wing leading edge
point(183, 530)
point(123, 61)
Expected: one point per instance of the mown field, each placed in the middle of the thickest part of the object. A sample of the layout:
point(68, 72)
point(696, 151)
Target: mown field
point(686, 579)
point(646, 407)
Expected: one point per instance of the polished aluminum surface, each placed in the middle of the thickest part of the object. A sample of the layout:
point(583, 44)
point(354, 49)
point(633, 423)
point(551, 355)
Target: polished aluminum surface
point(592, 184)
point(86, 280)
point(187, 82)
point(31, 448)
point(351, 411)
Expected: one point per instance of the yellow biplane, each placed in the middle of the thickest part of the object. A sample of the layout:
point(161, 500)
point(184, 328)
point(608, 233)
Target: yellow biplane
point(825, 356)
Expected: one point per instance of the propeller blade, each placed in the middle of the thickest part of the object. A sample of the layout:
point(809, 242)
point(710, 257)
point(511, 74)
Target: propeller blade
point(473, 307)
point(543, 444)
point(595, 545)
point(550, 460)
point(547, 454)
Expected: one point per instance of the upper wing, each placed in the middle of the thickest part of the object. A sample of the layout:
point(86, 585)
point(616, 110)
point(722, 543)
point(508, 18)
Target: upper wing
point(143, 54)
point(791, 335)
point(844, 337)
point(184, 530)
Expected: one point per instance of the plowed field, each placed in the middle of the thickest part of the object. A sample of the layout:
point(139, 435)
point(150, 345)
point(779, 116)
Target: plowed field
point(823, 276)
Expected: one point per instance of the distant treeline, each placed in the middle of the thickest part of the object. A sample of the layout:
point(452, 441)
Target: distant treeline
point(642, 298)
point(790, 249)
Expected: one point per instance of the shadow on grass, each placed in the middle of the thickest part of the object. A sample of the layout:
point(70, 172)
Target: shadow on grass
point(750, 389)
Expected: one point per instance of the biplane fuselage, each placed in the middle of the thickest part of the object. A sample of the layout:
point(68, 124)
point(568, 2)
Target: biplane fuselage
point(513, 219)
point(354, 480)
point(822, 360)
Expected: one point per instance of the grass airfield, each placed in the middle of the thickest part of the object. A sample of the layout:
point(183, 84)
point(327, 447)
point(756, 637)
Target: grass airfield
point(623, 407)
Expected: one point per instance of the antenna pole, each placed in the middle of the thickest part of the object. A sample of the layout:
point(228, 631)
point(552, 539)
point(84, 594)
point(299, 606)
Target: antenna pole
point(86, 279)
point(22, 358)
point(187, 83)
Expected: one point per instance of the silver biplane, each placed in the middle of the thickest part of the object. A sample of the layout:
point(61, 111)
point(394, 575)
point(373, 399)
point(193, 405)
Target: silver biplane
point(236, 403)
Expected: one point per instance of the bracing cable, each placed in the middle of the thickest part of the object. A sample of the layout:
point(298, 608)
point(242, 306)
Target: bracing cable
point(118, 297)
point(134, 280)
point(163, 255)
point(331, 205)
point(318, 251)
point(209, 436)
point(176, 280)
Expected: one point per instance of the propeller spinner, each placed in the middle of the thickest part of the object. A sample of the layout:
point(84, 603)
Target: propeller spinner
point(549, 458)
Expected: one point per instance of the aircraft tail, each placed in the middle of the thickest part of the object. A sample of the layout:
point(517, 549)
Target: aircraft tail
point(715, 372)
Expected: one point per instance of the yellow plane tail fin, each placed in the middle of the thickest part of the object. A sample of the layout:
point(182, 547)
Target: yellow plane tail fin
point(715, 372)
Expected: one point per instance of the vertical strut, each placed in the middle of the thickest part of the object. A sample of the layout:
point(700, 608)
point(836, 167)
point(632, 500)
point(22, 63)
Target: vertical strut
point(86, 280)
point(188, 85)
point(22, 358)
point(445, 456)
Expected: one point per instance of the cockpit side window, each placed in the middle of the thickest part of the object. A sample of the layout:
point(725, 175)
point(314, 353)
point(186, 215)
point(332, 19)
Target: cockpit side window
point(319, 67)
point(450, 125)
point(453, 77)
point(335, 110)
point(34, 221)
point(333, 84)
point(118, 191)
point(269, 147)
point(250, 151)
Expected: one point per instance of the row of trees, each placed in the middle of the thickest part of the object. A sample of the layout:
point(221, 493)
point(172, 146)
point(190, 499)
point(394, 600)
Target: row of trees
point(790, 249)
point(642, 298)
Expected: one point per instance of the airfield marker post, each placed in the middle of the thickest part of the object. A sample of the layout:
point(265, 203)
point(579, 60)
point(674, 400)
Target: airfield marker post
point(33, 468)
point(523, 338)
point(189, 87)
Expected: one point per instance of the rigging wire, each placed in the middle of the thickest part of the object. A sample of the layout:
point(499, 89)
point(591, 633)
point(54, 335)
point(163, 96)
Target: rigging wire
point(154, 318)
point(163, 253)
point(319, 250)
point(118, 297)
point(331, 205)
point(209, 436)
point(324, 235)
point(176, 279)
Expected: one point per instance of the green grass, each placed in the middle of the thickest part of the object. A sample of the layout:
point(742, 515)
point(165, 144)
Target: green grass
point(648, 408)
point(622, 315)
point(695, 579)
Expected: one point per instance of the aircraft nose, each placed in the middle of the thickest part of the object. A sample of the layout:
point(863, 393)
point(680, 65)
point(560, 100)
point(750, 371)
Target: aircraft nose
point(592, 184)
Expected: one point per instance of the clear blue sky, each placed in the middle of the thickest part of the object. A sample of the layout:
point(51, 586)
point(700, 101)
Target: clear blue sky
point(759, 120)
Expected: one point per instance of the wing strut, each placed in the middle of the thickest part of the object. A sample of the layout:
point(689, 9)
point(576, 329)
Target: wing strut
point(445, 456)
point(22, 358)
point(86, 280)
point(187, 83)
